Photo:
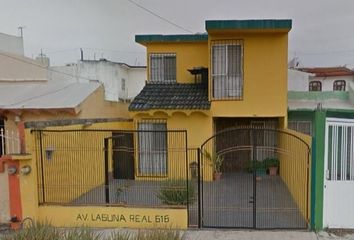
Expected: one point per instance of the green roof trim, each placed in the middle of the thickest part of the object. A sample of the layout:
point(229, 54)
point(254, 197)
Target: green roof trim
point(249, 24)
point(171, 38)
point(340, 95)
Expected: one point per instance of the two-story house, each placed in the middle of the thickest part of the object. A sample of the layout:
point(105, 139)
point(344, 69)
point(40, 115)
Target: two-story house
point(228, 89)
point(322, 105)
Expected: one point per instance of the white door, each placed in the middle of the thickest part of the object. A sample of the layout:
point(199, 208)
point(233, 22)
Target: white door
point(338, 209)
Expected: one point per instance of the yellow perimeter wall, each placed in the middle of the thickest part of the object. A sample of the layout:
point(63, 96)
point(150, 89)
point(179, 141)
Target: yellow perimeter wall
point(29, 183)
point(112, 217)
point(294, 160)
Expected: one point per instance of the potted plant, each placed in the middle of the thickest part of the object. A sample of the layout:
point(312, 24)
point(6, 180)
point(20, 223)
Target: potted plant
point(272, 165)
point(216, 162)
point(258, 167)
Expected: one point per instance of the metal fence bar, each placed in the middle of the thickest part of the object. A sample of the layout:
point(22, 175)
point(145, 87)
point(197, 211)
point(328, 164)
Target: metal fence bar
point(84, 167)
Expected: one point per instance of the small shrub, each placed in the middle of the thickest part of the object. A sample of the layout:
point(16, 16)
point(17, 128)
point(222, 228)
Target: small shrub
point(38, 231)
point(81, 234)
point(158, 235)
point(120, 236)
point(176, 192)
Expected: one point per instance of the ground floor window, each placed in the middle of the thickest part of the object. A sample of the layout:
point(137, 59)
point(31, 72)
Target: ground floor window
point(152, 146)
point(301, 126)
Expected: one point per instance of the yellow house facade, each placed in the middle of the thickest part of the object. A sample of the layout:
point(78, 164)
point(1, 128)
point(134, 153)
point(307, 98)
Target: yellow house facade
point(253, 87)
point(228, 89)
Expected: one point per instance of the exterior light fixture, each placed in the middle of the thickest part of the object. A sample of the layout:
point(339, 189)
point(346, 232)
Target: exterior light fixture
point(11, 170)
point(25, 170)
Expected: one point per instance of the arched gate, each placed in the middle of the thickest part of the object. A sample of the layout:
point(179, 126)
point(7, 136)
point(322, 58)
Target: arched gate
point(249, 194)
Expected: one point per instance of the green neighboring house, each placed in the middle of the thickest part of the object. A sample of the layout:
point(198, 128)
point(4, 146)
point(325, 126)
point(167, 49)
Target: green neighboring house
point(328, 117)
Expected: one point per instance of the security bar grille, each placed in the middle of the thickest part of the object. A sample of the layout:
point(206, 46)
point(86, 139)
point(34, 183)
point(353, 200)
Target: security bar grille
point(227, 69)
point(340, 158)
point(162, 67)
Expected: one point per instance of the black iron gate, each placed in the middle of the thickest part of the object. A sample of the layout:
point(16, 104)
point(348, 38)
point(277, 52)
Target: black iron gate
point(263, 183)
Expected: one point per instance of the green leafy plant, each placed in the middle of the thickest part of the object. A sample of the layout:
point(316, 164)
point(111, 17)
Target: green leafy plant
point(82, 234)
point(271, 162)
point(176, 192)
point(255, 165)
point(121, 236)
point(37, 231)
point(215, 160)
point(159, 234)
point(40, 231)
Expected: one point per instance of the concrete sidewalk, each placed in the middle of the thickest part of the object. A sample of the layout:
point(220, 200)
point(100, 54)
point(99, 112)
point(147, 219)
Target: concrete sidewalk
point(248, 235)
point(216, 234)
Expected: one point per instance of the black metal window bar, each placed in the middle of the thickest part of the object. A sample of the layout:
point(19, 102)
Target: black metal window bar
point(315, 86)
point(227, 69)
point(339, 85)
point(152, 147)
point(162, 67)
point(301, 126)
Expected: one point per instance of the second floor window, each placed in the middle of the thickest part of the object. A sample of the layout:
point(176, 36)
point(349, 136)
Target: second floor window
point(227, 69)
point(339, 85)
point(163, 67)
point(315, 86)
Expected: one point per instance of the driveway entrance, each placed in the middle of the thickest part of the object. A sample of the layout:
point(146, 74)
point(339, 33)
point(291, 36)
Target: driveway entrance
point(249, 194)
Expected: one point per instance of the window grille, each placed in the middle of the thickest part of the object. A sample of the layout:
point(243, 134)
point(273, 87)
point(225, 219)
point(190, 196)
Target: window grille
point(152, 147)
point(227, 69)
point(339, 85)
point(340, 153)
point(315, 86)
point(163, 67)
point(301, 126)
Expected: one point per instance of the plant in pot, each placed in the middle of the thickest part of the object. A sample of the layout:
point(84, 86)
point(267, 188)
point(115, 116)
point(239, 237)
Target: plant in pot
point(258, 167)
point(272, 165)
point(215, 161)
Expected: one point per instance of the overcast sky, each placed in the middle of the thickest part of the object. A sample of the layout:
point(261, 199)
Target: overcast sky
point(322, 33)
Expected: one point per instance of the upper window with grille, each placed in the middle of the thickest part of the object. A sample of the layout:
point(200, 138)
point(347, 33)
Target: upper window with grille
point(315, 86)
point(339, 85)
point(227, 69)
point(163, 67)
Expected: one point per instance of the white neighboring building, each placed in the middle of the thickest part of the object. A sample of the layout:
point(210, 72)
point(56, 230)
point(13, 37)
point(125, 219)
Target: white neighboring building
point(298, 80)
point(11, 44)
point(121, 81)
point(324, 79)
